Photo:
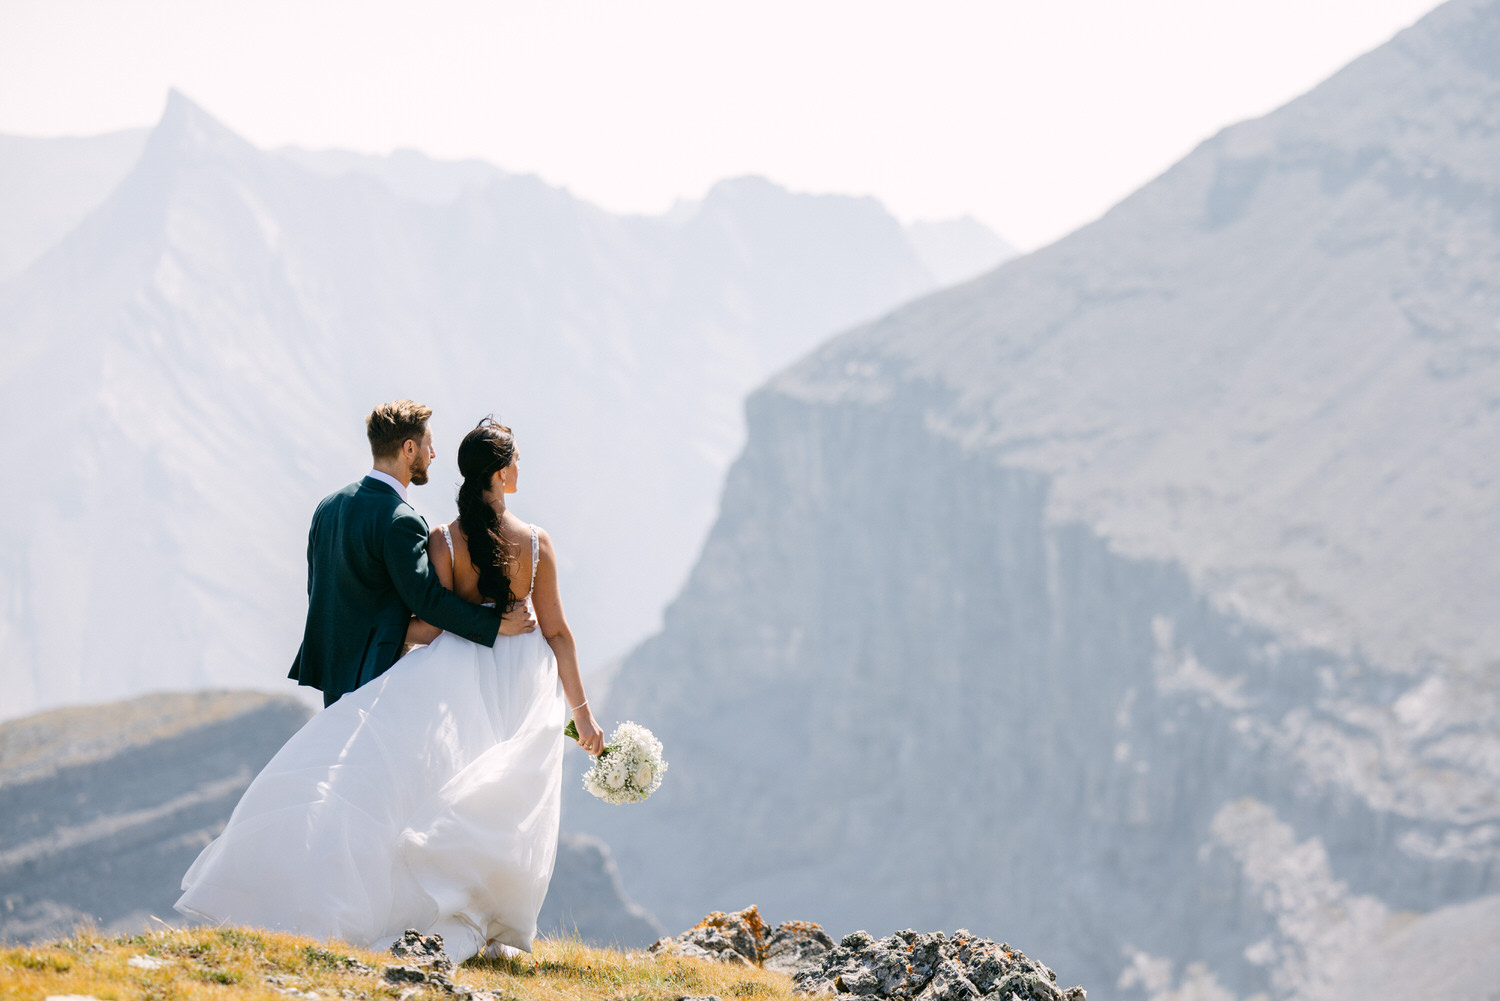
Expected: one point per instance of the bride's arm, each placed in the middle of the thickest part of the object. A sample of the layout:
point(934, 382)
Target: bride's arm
point(547, 601)
point(418, 632)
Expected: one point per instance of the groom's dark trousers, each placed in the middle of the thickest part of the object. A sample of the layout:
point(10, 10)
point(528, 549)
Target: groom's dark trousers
point(367, 572)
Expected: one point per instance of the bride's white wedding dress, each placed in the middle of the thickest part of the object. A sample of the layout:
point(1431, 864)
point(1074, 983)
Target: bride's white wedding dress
point(426, 799)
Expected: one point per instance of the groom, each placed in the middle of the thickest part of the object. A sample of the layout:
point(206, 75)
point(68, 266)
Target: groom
point(367, 568)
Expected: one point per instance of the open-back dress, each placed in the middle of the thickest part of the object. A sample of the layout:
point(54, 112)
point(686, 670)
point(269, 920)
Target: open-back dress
point(427, 799)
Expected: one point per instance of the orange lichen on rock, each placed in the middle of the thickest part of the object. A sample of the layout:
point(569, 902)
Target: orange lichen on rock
point(742, 937)
point(735, 924)
point(805, 927)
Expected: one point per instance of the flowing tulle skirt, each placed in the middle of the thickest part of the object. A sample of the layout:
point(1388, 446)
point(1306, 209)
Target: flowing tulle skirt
point(427, 799)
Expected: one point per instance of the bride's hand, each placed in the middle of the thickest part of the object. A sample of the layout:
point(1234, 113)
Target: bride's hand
point(590, 737)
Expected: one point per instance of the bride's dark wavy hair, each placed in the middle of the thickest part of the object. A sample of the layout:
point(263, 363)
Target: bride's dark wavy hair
point(485, 450)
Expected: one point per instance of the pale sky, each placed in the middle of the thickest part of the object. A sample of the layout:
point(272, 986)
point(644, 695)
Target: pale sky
point(1033, 115)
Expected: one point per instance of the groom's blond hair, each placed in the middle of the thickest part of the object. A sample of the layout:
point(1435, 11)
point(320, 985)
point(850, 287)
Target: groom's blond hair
point(390, 425)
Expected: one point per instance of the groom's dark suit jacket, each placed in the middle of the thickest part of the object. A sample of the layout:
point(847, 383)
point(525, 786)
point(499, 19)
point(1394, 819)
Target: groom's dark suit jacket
point(367, 571)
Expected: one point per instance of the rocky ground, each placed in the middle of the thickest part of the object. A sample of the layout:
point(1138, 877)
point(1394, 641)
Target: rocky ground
point(725, 956)
point(238, 964)
point(907, 965)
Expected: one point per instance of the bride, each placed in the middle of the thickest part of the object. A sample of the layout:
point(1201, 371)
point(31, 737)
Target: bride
point(428, 798)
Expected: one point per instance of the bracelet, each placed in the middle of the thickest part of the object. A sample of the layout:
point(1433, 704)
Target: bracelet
point(579, 706)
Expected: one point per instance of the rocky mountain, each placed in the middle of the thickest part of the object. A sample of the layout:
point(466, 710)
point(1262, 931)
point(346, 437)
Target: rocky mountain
point(48, 186)
point(103, 808)
point(195, 358)
point(1134, 603)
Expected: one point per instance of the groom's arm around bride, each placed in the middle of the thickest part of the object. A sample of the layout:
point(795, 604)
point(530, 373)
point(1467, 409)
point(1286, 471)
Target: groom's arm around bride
point(367, 566)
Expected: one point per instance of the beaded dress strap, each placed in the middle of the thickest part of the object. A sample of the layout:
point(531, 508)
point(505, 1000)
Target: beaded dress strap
point(535, 552)
point(448, 538)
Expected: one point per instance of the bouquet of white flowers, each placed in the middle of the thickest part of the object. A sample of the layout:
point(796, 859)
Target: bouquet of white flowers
point(628, 769)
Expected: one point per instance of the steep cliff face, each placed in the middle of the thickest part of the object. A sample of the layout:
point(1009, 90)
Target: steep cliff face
point(895, 693)
point(1133, 603)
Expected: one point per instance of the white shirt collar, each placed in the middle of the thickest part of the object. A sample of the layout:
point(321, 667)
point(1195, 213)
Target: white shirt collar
point(388, 478)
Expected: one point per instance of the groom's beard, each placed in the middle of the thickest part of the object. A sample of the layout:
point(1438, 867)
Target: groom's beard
point(418, 475)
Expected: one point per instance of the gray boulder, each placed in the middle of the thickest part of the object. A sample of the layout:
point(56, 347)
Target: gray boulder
point(423, 951)
point(794, 946)
point(741, 938)
point(737, 937)
point(931, 967)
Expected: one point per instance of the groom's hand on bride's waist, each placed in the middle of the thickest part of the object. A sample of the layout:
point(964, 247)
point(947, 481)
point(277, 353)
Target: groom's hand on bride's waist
point(518, 620)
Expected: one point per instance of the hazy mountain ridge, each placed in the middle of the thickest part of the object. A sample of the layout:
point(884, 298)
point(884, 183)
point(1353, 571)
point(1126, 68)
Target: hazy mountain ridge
point(1131, 602)
point(115, 802)
point(406, 172)
point(199, 352)
point(951, 250)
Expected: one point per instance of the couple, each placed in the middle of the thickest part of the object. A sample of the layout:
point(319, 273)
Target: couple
point(426, 794)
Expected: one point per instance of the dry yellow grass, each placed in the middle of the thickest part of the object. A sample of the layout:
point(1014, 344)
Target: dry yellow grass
point(206, 964)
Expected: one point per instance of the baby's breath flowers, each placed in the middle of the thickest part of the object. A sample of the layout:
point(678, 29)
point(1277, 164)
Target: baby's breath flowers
point(630, 767)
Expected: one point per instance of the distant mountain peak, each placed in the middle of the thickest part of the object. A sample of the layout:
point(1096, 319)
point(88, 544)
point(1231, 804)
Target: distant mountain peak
point(746, 184)
point(186, 129)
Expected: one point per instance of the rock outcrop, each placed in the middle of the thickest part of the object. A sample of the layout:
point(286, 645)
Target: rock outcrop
point(932, 967)
point(742, 938)
point(425, 963)
point(908, 965)
point(737, 937)
point(794, 946)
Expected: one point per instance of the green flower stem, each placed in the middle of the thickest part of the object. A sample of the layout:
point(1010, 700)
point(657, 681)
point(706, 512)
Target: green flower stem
point(571, 730)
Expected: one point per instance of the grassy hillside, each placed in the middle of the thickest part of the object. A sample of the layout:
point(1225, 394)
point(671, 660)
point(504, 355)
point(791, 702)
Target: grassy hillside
point(232, 963)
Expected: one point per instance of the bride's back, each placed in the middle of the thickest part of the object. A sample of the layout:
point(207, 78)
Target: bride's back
point(464, 575)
